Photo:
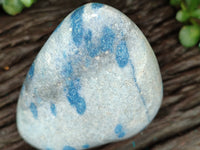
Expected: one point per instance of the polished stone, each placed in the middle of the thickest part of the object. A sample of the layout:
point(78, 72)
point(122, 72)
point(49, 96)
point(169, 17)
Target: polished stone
point(96, 80)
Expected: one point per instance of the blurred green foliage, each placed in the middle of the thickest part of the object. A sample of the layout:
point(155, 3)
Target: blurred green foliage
point(13, 7)
point(189, 15)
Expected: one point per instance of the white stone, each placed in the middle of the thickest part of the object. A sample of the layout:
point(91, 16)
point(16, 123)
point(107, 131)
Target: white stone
point(95, 81)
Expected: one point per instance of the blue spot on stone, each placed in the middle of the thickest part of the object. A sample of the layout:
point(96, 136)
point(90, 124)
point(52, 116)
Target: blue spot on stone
point(91, 48)
point(33, 109)
point(106, 42)
point(72, 86)
point(74, 98)
point(139, 90)
point(53, 109)
point(67, 70)
point(85, 146)
point(119, 131)
point(77, 26)
point(48, 149)
point(107, 39)
point(68, 148)
point(122, 55)
point(96, 5)
point(31, 71)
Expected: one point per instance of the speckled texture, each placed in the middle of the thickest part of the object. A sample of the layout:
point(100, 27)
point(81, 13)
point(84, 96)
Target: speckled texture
point(96, 80)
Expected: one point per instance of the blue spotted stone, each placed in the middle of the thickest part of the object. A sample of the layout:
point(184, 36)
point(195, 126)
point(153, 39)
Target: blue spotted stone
point(33, 109)
point(95, 81)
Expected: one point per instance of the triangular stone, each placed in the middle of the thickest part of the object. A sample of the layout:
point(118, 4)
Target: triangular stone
point(96, 80)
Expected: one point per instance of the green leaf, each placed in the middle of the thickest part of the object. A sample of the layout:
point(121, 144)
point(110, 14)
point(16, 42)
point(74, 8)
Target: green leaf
point(175, 2)
point(192, 4)
point(195, 13)
point(183, 7)
point(189, 35)
point(182, 16)
point(27, 3)
point(13, 7)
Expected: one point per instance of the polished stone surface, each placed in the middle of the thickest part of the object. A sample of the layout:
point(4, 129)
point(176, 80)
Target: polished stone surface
point(96, 80)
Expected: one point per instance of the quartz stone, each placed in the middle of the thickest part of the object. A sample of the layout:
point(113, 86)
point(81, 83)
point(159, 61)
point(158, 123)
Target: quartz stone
point(96, 80)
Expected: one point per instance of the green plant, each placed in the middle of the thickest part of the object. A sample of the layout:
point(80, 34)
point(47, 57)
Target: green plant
point(189, 15)
point(13, 7)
